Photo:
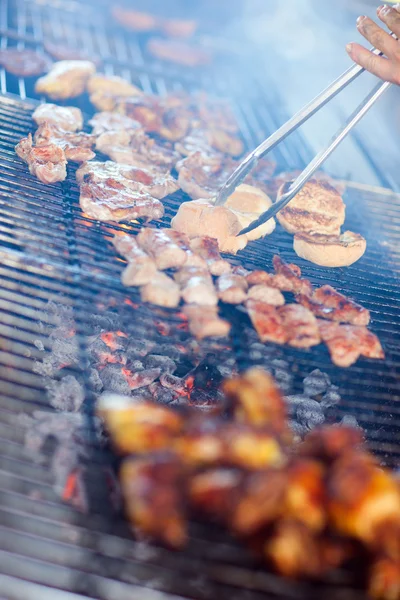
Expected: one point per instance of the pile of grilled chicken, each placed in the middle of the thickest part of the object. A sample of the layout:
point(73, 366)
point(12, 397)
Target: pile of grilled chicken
point(306, 507)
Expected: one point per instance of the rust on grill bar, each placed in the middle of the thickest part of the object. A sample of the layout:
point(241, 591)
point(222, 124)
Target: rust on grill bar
point(70, 332)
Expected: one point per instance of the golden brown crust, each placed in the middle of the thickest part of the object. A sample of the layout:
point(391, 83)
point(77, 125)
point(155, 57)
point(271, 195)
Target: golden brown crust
point(330, 250)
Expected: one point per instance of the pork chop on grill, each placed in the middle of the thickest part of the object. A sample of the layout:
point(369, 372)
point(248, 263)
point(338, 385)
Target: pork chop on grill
point(23, 62)
point(196, 286)
point(77, 146)
point(161, 291)
point(154, 182)
point(66, 79)
point(111, 121)
point(204, 321)
point(111, 200)
point(346, 343)
point(66, 118)
point(106, 90)
point(141, 267)
point(47, 162)
point(328, 303)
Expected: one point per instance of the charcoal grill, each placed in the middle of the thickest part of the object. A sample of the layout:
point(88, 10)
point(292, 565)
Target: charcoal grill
point(51, 252)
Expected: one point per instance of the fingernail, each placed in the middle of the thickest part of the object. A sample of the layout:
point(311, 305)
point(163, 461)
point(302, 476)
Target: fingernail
point(349, 48)
point(360, 20)
point(378, 10)
point(385, 9)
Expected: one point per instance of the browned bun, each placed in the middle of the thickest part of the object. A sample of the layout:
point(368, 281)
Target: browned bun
point(330, 250)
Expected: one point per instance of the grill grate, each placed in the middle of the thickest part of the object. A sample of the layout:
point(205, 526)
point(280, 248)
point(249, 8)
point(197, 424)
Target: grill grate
point(50, 251)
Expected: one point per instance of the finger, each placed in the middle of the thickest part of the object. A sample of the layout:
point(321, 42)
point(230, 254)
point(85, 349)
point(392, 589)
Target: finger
point(378, 38)
point(378, 65)
point(391, 17)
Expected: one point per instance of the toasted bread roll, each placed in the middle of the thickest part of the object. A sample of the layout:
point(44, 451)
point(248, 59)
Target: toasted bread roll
point(330, 250)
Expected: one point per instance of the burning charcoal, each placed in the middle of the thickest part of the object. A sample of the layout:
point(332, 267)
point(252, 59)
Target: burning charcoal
point(156, 361)
point(136, 365)
point(39, 345)
point(141, 395)
point(141, 378)
point(139, 348)
point(64, 352)
point(298, 430)
point(105, 322)
point(170, 351)
point(316, 383)
point(66, 395)
point(331, 398)
point(350, 421)
point(95, 381)
point(161, 394)
point(225, 371)
point(284, 380)
point(293, 402)
point(177, 384)
point(310, 414)
point(114, 380)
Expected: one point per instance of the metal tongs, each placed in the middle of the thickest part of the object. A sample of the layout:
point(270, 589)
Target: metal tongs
point(296, 121)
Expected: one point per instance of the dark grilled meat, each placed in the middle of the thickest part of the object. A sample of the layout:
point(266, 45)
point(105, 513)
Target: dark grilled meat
point(328, 303)
point(346, 343)
point(77, 146)
point(23, 63)
point(48, 163)
point(266, 321)
point(207, 248)
point(301, 326)
point(201, 175)
point(288, 278)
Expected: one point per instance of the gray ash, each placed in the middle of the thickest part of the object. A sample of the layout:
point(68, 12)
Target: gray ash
point(66, 395)
point(166, 364)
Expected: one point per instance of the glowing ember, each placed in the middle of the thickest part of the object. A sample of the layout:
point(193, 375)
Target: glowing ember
point(129, 302)
point(111, 339)
point(162, 328)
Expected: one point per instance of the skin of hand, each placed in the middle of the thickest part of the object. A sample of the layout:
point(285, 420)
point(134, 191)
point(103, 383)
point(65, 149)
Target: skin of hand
point(386, 67)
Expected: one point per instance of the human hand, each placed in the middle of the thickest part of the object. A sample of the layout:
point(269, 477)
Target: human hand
point(386, 67)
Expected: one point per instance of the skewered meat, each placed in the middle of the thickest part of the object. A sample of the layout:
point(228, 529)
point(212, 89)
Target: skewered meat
point(112, 200)
point(207, 248)
point(23, 63)
point(47, 163)
point(141, 268)
point(196, 286)
point(111, 121)
point(232, 289)
point(161, 291)
point(134, 19)
point(288, 278)
point(66, 79)
point(157, 184)
point(201, 175)
point(66, 118)
point(328, 303)
point(301, 326)
point(63, 52)
point(317, 208)
point(330, 250)
point(204, 322)
point(346, 343)
point(162, 245)
point(267, 322)
point(266, 294)
point(105, 91)
point(179, 52)
point(76, 146)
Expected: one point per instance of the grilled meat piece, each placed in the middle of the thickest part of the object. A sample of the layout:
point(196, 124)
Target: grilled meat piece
point(76, 146)
point(346, 343)
point(328, 303)
point(111, 121)
point(201, 175)
point(112, 200)
point(330, 443)
point(178, 28)
point(214, 112)
point(196, 286)
point(301, 326)
point(384, 579)
point(161, 291)
point(179, 52)
point(266, 294)
point(23, 63)
point(204, 322)
point(154, 497)
point(207, 248)
point(66, 118)
point(47, 163)
point(266, 321)
point(63, 52)
point(259, 277)
point(288, 278)
point(106, 91)
point(215, 492)
point(66, 79)
point(305, 494)
point(141, 268)
point(134, 19)
point(232, 289)
point(154, 182)
point(163, 246)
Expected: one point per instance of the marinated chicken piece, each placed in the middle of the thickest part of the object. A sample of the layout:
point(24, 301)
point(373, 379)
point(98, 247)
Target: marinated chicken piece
point(66, 79)
point(201, 175)
point(267, 322)
point(64, 52)
point(317, 208)
point(161, 291)
point(112, 200)
point(66, 118)
point(207, 249)
point(134, 147)
point(232, 289)
point(106, 90)
point(138, 428)
point(204, 322)
point(255, 399)
point(134, 19)
point(288, 278)
point(239, 270)
point(196, 286)
point(77, 146)
point(215, 492)
point(154, 497)
point(301, 326)
point(111, 121)
point(258, 277)
point(346, 343)
point(23, 62)
point(329, 303)
point(141, 268)
point(47, 163)
point(330, 443)
point(179, 52)
point(266, 294)
point(181, 28)
point(161, 245)
point(384, 579)
point(304, 498)
point(153, 181)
